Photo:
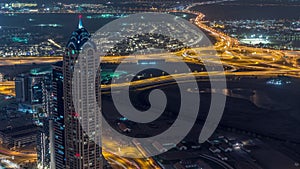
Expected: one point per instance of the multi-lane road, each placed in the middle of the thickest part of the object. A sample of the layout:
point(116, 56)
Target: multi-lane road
point(14, 158)
point(28, 60)
point(253, 61)
point(244, 60)
point(113, 149)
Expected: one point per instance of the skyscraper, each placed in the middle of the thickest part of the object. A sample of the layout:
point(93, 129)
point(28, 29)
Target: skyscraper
point(44, 119)
point(21, 83)
point(29, 88)
point(35, 89)
point(43, 144)
point(57, 123)
point(82, 122)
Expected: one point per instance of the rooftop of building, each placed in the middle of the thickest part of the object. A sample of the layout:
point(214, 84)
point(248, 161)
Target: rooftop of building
point(79, 36)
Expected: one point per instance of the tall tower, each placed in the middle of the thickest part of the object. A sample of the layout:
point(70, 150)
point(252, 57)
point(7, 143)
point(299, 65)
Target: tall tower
point(57, 122)
point(82, 122)
point(44, 118)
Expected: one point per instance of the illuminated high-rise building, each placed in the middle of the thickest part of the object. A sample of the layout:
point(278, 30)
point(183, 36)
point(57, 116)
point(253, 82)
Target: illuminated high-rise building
point(44, 118)
point(57, 122)
point(82, 122)
point(29, 88)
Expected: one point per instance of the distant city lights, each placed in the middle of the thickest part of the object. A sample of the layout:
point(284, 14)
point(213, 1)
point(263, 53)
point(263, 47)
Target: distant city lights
point(278, 82)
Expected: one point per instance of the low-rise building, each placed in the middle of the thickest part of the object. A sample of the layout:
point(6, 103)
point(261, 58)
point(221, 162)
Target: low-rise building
point(214, 149)
point(222, 157)
point(178, 166)
point(181, 147)
point(123, 127)
point(159, 147)
point(224, 147)
point(19, 136)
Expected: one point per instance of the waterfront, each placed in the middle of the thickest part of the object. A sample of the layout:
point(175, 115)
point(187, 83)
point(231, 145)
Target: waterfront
point(52, 25)
point(248, 10)
point(259, 128)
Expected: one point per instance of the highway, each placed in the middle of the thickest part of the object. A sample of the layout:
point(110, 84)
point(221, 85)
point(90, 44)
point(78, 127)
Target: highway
point(257, 61)
point(28, 60)
point(244, 60)
point(7, 88)
point(117, 161)
point(16, 158)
